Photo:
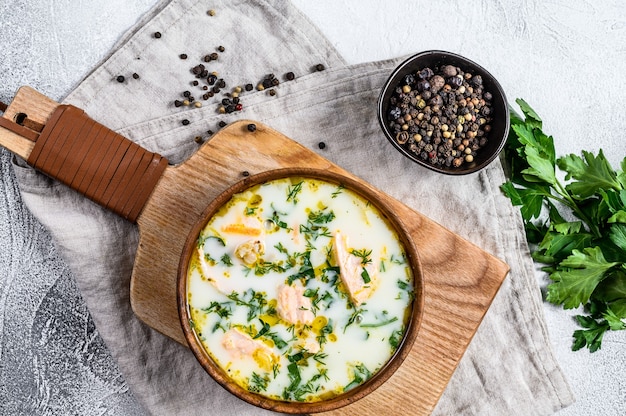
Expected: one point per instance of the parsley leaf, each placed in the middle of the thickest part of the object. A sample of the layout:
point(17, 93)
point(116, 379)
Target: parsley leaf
point(576, 228)
point(582, 271)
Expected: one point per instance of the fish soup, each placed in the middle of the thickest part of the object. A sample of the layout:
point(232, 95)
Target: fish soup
point(299, 289)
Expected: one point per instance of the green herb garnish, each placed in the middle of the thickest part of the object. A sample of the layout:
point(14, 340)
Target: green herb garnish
point(293, 191)
point(222, 309)
point(321, 216)
point(257, 383)
point(254, 301)
point(365, 276)
point(339, 190)
point(396, 338)
point(361, 374)
point(379, 324)
point(363, 254)
point(226, 260)
point(305, 272)
point(576, 228)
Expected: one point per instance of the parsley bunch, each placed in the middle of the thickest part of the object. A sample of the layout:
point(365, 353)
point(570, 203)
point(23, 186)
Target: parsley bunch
point(576, 226)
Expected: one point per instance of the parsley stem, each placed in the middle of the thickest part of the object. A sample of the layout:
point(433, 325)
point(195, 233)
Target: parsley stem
point(571, 203)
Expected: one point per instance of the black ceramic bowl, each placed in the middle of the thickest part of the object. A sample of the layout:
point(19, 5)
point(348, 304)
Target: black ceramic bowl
point(499, 115)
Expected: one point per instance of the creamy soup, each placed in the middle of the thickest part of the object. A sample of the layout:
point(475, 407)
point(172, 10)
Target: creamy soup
point(299, 289)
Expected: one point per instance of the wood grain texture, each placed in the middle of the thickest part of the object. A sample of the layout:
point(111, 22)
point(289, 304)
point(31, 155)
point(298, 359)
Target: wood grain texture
point(37, 107)
point(460, 279)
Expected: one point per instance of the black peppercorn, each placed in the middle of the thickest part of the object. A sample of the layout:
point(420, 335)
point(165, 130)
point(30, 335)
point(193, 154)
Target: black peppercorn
point(185, 122)
point(320, 67)
point(222, 123)
point(249, 87)
point(157, 35)
point(251, 127)
point(245, 173)
point(425, 73)
point(290, 76)
point(455, 82)
point(443, 117)
point(476, 81)
point(423, 85)
point(178, 103)
point(183, 56)
point(120, 78)
point(221, 48)
point(321, 145)
point(135, 75)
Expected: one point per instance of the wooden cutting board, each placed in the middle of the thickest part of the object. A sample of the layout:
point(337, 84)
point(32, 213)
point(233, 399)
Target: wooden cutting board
point(460, 279)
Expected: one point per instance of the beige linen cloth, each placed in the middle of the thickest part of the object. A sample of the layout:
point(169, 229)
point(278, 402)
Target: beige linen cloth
point(508, 369)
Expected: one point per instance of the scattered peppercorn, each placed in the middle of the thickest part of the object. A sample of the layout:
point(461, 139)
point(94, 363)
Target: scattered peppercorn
point(135, 75)
point(185, 122)
point(249, 87)
point(320, 67)
point(245, 173)
point(290, 76)
point(178, 103)
point(321, 145)
point(157, 35)
point(272, 92)
point(198, 139)
point(120, 78)
point(222, 123)
point(251, 127)
point(183, 56)
point(221, 48)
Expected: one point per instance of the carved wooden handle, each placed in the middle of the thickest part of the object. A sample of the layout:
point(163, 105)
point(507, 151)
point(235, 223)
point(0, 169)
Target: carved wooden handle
point(90, 158)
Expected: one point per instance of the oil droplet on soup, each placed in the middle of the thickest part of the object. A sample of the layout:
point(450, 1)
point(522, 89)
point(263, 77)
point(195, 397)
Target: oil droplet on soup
point(300, 289)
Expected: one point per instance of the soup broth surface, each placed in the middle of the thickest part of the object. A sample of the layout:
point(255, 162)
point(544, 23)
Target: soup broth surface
point(299, 289)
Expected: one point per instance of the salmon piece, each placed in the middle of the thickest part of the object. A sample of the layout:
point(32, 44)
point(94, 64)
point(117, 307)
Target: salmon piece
point(293, 306)
point(247, 226)
point(240, 346)
point(350, 270)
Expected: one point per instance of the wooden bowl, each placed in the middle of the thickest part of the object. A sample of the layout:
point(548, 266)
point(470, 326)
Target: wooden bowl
point(431, 59)
point(370, 194)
